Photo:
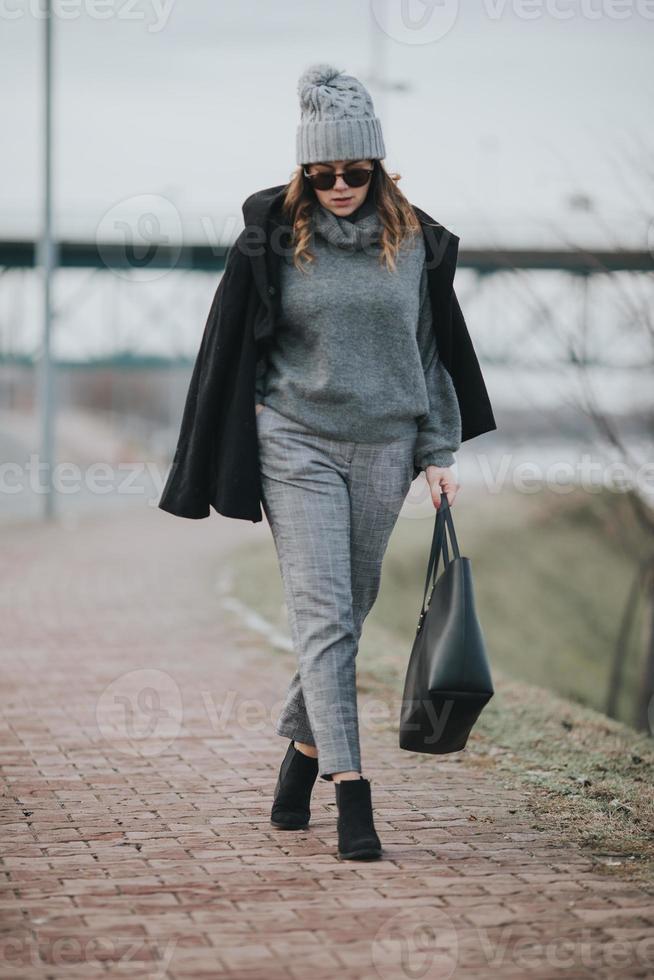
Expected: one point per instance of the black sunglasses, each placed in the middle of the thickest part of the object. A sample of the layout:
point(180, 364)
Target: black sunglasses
point(355, 177)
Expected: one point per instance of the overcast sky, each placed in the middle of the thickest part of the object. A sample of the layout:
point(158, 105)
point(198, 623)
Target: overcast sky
point(509, 109)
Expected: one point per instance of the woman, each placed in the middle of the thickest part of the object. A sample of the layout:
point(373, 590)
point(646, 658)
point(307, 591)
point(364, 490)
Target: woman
point(350, 397)
point(332, 370)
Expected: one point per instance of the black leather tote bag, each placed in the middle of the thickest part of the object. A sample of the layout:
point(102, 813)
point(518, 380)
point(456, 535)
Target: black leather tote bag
point(448, 679)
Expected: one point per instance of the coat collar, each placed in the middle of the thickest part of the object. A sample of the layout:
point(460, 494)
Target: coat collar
point(262, 212)
point(258, 206)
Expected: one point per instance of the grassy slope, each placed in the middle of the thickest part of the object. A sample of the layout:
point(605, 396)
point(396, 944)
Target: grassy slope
point(551, 578)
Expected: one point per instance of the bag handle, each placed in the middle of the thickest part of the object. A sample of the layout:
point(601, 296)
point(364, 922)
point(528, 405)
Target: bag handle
point(439, 543)
point(439, 540)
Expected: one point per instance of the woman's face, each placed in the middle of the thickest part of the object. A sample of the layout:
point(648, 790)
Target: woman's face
point(341, 199)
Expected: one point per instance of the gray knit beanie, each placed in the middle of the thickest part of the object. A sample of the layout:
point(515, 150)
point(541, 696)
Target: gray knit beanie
point(338, 119)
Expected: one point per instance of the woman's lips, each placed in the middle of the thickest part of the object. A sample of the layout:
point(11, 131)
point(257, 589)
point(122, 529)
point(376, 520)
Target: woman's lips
point(343, 200)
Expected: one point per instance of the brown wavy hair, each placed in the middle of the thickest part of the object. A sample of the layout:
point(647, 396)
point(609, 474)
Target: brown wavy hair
point(398, 219)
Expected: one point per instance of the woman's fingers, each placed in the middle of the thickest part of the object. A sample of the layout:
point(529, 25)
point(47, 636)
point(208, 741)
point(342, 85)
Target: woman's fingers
point(443, 482)
point(451, 487)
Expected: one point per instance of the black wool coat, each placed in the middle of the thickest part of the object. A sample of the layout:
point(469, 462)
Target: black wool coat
point(216, 462)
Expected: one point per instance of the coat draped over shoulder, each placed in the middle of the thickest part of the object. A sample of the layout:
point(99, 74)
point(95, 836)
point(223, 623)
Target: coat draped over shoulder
point(216, 461)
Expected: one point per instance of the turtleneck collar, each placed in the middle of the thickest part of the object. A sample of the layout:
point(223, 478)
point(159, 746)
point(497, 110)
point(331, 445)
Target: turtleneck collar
point(353, 232)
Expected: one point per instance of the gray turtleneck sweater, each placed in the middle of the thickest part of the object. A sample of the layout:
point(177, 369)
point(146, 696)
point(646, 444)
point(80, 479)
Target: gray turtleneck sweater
point(354, 356)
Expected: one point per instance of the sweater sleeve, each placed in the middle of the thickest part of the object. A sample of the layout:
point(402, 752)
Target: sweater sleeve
point(439, 429)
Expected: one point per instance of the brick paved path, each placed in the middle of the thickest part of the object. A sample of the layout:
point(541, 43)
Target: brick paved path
point(137, 787)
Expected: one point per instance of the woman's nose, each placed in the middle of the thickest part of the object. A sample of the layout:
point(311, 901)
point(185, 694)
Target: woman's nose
point(342, 185)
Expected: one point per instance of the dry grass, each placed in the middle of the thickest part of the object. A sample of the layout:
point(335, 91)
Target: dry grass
point(593, 778)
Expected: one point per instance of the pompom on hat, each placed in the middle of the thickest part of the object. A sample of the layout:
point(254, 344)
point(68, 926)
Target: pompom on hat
point(337, 118)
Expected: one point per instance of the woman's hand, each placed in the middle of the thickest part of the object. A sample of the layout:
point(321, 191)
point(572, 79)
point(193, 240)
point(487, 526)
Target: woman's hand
point(258, 407)
point(441, 476)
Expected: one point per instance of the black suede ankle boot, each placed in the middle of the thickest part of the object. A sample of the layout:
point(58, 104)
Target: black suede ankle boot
point(357, 837)
point(297, 774)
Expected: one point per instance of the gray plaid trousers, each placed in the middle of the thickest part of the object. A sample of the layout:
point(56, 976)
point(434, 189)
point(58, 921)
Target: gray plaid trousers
point(331, 506)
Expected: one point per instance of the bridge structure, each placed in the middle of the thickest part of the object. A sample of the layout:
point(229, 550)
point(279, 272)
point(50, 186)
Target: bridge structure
point(131, 303)
point(88, 254)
